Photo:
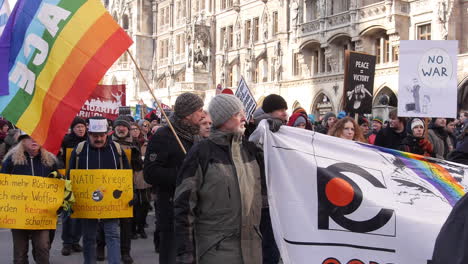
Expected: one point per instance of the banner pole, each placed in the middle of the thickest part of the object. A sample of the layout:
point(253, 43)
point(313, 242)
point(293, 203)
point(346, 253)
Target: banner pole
point(158, 103)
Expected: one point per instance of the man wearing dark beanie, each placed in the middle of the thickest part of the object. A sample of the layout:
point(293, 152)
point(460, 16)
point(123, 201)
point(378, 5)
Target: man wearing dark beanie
point(163, 159)
point(275, 108)
point(71, 227)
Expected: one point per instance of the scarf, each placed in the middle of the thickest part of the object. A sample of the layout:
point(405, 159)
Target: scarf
point(185, 129)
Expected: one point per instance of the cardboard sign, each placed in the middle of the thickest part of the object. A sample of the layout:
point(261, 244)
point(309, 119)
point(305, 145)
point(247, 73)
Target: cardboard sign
point(29, 202)
point(101, 194)
point(359, 82)
point(105, 101)
point(245, 95)
point(428, 78)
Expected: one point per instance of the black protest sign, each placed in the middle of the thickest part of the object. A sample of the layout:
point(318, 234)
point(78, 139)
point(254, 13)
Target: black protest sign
point(359, 82)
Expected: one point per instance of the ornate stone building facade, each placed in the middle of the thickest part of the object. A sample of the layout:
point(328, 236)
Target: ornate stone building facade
point(290, 47)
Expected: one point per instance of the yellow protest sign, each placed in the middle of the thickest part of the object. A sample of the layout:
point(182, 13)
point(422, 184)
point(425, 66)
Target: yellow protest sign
point(68, 152)
point(102, 194)
point(29, 202)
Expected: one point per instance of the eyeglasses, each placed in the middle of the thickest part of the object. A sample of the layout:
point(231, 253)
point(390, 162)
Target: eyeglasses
point(135, 128)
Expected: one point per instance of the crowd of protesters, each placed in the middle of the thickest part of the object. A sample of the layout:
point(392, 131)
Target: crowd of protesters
point(207, 184)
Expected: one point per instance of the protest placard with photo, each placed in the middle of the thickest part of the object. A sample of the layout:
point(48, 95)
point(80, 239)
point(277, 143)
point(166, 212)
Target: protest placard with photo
point(359, 82)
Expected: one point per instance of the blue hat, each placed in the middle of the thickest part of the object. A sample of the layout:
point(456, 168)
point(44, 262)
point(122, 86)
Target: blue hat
point(341, 114)
point(311, 118)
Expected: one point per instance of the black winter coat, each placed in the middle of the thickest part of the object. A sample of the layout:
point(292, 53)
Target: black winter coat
point(460, 155)
point(163, 159)
point(452, 241)
point(411, 144)
point(69, 141)
point(106, 157)
point(389, 138)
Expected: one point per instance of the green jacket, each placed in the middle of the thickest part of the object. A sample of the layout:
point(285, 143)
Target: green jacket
point(218, 202)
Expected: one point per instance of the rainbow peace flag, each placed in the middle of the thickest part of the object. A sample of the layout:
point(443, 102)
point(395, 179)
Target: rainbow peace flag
point(430, 171)
point(53, 53)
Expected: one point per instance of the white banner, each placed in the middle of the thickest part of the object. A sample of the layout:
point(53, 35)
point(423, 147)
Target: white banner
point(428, 73)
point(245, 95)
point(4, 14)
point(335, 201)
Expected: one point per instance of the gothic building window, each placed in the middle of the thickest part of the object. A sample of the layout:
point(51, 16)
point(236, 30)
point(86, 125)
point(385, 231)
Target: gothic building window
point(180, 44)
point(222, 36)
point(272, 67)
point(370, 2)
point(164, 49)
point(230, 36)
point(396, 52)
point(256, 30)
point(256, 73)
point(296, 65)
point(125, 21)
point(248, 28)
point(424, 32)
point(275, 23)
point(225, 4)
point(338, 6)
point(382, 50)
point(164, 16)
point(229, 78)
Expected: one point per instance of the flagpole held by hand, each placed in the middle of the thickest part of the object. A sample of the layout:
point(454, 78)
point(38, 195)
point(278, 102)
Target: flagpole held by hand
point(157, 102)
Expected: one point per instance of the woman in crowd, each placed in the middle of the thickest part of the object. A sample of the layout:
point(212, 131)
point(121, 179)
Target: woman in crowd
point(415, 141)
point(347, 128)
point(300, 120)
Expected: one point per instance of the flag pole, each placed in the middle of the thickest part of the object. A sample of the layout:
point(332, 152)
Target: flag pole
point(157, 102)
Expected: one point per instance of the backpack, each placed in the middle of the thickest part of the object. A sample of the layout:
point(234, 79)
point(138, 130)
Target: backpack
point(80, 146)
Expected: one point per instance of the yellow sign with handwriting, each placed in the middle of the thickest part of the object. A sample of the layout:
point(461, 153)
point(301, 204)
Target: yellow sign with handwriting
point(29, 202)
point(102, 194)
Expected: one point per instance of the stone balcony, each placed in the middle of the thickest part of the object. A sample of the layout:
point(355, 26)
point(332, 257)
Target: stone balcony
point(377, 13)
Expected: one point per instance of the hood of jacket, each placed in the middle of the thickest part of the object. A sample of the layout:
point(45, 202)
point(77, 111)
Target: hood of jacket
point(19, 156)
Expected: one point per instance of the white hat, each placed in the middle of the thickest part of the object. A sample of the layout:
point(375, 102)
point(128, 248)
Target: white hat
point(97, 125)
point(416, 122)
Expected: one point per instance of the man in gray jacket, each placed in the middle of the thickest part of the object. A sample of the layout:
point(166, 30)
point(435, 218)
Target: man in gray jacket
point(218, 194)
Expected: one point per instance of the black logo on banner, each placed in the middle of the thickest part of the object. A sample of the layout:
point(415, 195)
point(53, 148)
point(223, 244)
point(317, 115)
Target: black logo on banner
point(339, 195)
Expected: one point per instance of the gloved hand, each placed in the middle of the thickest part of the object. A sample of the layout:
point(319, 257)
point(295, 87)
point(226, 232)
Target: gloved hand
point(131, 202)
point(426, 145)
point(274, 124)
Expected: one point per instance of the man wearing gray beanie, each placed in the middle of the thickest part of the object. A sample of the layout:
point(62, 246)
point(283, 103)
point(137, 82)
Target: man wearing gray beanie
point(163, 158)
point(218, 196)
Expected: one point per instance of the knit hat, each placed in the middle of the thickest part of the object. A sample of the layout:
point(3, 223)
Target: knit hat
point(186, 104)
point(341, 114)
point(120, 121)
point(222, 107)
point(311, 118)
point(362, 120)
point(274, 102)
point(141, 122)
point(378, 119)
point(416, 122)
point(300, 110)
point(76, 121)
point(327, 116)
point(299, 120)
